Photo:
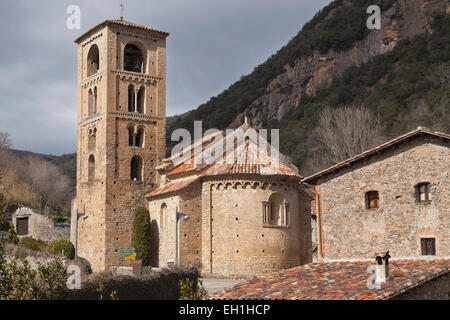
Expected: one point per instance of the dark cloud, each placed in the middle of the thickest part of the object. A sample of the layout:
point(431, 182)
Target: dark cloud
point(212, 44)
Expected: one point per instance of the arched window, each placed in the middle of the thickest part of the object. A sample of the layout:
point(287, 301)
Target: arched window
point(133, 59)
point(163, 216)
point(90, 102)
point(94, 103)
point(372, 199)
point(140, 138)
point(93, 61)
point(131, 98)
point(130, 136)
point(276, 211)
point(136, 168)
point(91, 168)
point(140, 100)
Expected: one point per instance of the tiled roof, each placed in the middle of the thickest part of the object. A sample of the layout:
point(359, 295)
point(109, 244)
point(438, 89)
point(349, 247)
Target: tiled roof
point(339, 280)
point(175, 185)
point(123, 23)
point(415, 133)
point(245, 157)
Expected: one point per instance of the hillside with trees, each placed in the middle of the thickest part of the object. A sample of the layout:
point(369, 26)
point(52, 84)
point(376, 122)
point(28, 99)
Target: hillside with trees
point(42, 182)
point(402, 88)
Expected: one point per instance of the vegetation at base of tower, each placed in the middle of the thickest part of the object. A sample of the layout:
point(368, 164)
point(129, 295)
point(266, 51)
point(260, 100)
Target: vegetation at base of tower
point(12, 236)
point(62, 246)
point(141, 234)
point(189, 291)
point(161, 285)
point(18, 281)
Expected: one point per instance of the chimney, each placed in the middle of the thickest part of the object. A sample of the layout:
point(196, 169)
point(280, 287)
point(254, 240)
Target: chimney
point(382, 267)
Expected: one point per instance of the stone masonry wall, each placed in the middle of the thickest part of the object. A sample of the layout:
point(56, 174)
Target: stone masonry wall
point(235, 243)
point(349, 230)
point(109, 201)
point(40, 226)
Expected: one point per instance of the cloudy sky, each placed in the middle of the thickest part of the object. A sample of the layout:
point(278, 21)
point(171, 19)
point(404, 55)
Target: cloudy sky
point(212, 44)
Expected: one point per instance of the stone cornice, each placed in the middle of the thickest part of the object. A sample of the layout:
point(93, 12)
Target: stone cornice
point(136, 116)
point(136, 77)
point(90, 120)
point(92, 80)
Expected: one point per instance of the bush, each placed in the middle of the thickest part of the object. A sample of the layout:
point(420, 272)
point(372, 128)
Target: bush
point(38, 245)
point(59, 219)
point(141, 234)
point(27, 242)
point(57, 247)
point(12, 236)
point(164, 285)
point(19, 281)
point(190, 291)
point(4, 225)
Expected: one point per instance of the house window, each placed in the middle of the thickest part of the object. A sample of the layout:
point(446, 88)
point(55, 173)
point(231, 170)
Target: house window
point(428, 246)
point(372, 200)
point(423, 192)
point(276, 211)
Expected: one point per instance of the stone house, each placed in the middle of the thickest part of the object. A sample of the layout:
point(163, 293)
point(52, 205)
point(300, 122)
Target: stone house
point(393, 197)
point(246, 216)
point(29, 223)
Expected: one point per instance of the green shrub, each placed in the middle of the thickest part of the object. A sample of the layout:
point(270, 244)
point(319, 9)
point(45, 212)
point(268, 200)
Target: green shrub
point(60, 246)
point(190, 291)
point(4, 225)
point(141, 234)
point(19, 281)
point(163, 285)
point(59, 219)
point(38, 245)
point(12, 236)
point(27, 242)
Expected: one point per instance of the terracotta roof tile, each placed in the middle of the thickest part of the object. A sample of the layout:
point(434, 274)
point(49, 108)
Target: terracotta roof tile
point(340, 280)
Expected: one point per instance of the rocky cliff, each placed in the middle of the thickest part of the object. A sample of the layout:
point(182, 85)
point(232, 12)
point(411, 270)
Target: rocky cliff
point(405, 19)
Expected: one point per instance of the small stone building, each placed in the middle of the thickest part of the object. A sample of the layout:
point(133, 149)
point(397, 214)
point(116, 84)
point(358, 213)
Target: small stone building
point(393, 197)
point(29, 223)
point(247, 216)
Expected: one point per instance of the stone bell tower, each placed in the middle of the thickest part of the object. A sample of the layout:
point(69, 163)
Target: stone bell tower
point(121, 133)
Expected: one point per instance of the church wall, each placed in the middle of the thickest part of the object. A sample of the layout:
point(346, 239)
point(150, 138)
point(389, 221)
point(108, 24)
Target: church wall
point(350, 230)
point(237, 244)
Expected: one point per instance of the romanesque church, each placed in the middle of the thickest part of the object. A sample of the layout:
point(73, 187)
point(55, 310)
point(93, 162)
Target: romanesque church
point(245, 216)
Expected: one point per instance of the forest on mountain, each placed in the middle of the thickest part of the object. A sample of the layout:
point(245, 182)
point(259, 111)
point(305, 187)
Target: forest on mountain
point(403, 88)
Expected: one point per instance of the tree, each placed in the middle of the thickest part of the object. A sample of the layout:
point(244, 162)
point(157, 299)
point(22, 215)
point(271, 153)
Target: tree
point(5, 140)
point(141, 233)
point(343, 133)
point(12, 236)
